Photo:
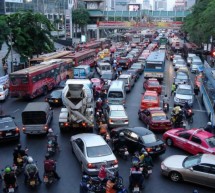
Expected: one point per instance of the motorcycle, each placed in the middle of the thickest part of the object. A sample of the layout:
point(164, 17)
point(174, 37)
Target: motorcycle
point(51, 147)
point(177, 121)
point(165, 107)
point(136, 189)
point(11, 188)
point(189, 115)
point(146, 170)
point(48, 178)
point(123, 153)
point(32, 181)
point(19, 166)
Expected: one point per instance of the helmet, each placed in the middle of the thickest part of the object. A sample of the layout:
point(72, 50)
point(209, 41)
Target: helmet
point(47, 156)
point(85, 178)
point(143, 150)
point(209, 123)
point(114, 61)
point(7, 170)
point(135, 161)
point(19, 146)
point(145, 153)
point(30, 160)
point(121, 134)
point(50, 130)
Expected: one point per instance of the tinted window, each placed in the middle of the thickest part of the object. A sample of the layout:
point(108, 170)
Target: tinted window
point(184, 135)
point(6, 123)
point(113, 94)
point(34, 117)
point(151, 138)
point(56, 94)
point(80, 144)
point(201, 168)
point(117, 114)
point(211, 141)
point(196, 140)
point(98, 151)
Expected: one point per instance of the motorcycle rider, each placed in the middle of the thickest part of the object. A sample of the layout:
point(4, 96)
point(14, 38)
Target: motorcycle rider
point(18, 153)
point(9, 178)
point(119, 142)
point(114, 65)
point(50, 166)
point(177, 114)
point(99, 104)
point(166, 101)
point(111, 185)
point(31, 168)
point(136, 175)
point(142, 155)
point(102, 175)
point(148, 159)
point(209, 127)
point(52, 137)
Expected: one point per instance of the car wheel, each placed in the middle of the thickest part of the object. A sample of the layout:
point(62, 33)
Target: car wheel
point(175, 176)
point(169, 142)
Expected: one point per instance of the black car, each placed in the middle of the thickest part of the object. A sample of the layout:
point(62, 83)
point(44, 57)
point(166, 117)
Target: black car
point(55, 97)
point(133, 72)
point(140, 137)
point(8, 129)
point(139, 66)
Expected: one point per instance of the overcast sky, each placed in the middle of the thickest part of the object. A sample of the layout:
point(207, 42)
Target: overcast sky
point(170, 4)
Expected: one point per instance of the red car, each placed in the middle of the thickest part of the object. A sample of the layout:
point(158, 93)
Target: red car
point(193, 140)
point(155, 119)
point(149, 99)
point(152, 84)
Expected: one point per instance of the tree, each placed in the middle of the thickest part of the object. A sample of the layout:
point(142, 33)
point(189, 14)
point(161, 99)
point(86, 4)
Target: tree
point(30, 33)
point(81, 18)
point(4, 30)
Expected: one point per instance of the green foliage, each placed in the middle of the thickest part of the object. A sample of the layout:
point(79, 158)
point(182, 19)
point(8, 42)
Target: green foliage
point(30, 33)
point(80, 16)
point(4, 30)
point(200, 23)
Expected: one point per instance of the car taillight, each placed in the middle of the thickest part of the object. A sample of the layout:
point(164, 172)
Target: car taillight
point(84, 124)
point(56, 100)
point(45, 127)
point(91, 166)
point(148, 149)
point(126, 120)
point(0, 133)
point(66, 124)
point(23, 128)
point(46, 100)
point(127, 63)
point(17, 130)
point(110, 120)
point(129, 85)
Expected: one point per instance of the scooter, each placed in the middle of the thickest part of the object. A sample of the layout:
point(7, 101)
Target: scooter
point(123, 153)
point(11, 188)
point(189, 115)
point(32, 181)
point(51, 147)
point(48, 178)
point(165, 107)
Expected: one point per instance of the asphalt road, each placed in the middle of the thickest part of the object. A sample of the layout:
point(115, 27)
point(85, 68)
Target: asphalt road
point(67, 165)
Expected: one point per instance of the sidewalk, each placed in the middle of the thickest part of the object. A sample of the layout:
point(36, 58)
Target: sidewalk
point(16, 56)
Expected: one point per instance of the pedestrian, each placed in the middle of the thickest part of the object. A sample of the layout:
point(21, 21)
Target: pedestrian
point(196, 90)
point(173, 88)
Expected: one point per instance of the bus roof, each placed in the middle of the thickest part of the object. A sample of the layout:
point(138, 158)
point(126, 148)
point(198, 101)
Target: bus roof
point(40, 66)
point(49, 56)
point(79, 53)
point(156, 56)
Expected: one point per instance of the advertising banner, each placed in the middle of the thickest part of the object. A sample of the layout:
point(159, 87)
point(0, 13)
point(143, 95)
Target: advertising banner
point(14, 1)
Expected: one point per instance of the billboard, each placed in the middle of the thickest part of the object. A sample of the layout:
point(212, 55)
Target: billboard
point(14, 1)
point(133, 7)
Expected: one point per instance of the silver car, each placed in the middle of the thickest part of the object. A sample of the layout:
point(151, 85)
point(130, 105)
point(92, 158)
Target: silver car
point(175, 58)
point(199, 169)
point(92, 151)
point(128, 80)
point(183, 93)
point(116, 116)
point(181, 78)
point(196, 65)
point(190, 58)
point(179, 63)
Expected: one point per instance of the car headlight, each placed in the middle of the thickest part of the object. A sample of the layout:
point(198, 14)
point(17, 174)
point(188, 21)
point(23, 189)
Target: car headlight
point(176, 99)
point(163, 167)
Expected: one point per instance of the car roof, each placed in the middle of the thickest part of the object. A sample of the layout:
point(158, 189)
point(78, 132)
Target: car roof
point(184, 86)
point(141, 130)
point(90, 139)
point(116, 107)
point(124, 76)
point(149, 92)
point(208, 159)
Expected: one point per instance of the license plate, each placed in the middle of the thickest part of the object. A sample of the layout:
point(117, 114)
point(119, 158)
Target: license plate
point(149, 171)
point(126, 153)
point(32, 182)
point(8, 134)
point(49, 149)
point(158, 148)
point(19, 160)
point(10, 190)
point(136, 189)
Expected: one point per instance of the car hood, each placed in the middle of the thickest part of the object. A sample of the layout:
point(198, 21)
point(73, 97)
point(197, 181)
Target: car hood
point(174, 161)
point(187, 97)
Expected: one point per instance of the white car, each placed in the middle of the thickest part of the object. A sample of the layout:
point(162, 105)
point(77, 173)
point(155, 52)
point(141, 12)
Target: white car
point(175, 58)
point(92, 151)
point(4, 91)
point(179, 63)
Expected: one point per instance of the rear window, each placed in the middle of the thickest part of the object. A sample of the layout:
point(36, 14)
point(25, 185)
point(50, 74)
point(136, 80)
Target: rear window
point(117, 114)
point(98, 151)
point(125, 80)
point(34, 117)
point(151, 138)
point(150, 98)
point(114, 94)
point(6, 123)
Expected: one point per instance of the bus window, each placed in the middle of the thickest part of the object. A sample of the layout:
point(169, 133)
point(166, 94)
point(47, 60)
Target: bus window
point(14, 81)
point(24, 80)
point(34, 79)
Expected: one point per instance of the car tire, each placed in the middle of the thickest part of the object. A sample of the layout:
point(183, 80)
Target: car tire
point(175, 176)
point(169, 142)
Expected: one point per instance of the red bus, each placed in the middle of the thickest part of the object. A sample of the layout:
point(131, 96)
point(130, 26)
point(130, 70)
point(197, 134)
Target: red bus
point(83, 57)
point(105, 43)
point(39, 79)
point(97, 45)
point(47, 57)
point(189, 48)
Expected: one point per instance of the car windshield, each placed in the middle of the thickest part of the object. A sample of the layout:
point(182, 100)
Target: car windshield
point(153, 83)
point(136, 66)
point(125, 80)
point(6, 123)
point(1, 89)
point(211, 141)
point(106, 76)
point(184, 91)
point(56, 94)
point(150, 138)
point(191, 161)
point(117, 113)
point(98, 151)
point(150, 98)
point(180, 62)
point(181, 76)
point(159, 117)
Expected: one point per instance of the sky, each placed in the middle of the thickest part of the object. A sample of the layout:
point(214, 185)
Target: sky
point(170, 4)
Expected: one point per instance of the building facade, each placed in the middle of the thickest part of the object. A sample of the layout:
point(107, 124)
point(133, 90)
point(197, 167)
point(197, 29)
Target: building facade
point(160, 5)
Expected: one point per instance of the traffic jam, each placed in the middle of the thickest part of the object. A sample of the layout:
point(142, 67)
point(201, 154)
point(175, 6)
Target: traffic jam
point(89, 89)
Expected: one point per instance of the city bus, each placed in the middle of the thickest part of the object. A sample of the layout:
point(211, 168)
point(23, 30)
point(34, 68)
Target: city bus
point(97, 45)
point(207, 91)
point(83, 57)
point(155, 65)
point(39, 79)
point(47, 57)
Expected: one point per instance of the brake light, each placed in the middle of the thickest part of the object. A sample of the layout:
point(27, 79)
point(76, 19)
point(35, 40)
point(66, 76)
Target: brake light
point(56, 100)
point(110, 121)
point(66, 124)
point(0, 133)
point(23, 128)
point(148, 149)
point(45, 127)
point(17, 130)
point(84, 124)
point(46, 100)
point(91, 166)
point(126, 120)
point(189, 111)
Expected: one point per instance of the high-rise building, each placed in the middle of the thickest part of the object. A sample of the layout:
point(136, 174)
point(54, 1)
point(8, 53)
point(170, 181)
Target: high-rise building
point(180, 5)
point(146, 4)
point(190, 3)
point(160, 5)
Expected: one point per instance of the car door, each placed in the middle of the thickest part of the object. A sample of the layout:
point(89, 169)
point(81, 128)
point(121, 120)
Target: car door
point(79, 149)
point(194, 145)
point(211, 176)
point(181, 140)
point(144, 115)
point(197, 174)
